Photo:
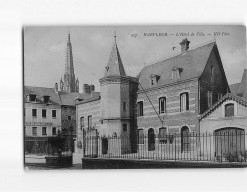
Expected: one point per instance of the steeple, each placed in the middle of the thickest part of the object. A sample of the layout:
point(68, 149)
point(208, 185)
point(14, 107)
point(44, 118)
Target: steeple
point(69, 82)
point(114, 66)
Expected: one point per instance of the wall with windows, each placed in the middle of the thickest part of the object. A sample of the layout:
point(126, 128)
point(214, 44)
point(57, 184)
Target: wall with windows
point(87, 112)
point(177, 105)
point(213, 84)
point(222, 117)
point(46, 121)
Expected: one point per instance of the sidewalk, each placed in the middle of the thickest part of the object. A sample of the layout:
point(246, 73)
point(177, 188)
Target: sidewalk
point(38, 162)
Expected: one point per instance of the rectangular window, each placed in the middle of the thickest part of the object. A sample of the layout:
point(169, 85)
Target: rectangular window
point(69, 118)
point(90, 122)
point(34, 131)
point(209, 99)
point(229, 110)
point(24, 111)
point(82, 122)
point(54, 113)
point(162, 105)
point(34, 112)
point(219, 96)
point(54, 131)
point(44, 131)
point(43, 113)
point(124, 127)
point(140, 108)
point(184, 101)
point(141, 136)
point(124, 106)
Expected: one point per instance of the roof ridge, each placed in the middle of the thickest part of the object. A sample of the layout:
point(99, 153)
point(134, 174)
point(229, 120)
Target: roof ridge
point(39, 87)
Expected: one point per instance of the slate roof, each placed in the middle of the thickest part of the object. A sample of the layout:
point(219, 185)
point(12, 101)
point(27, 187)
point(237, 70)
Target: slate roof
point(234, 88)
point(60, 98)
point(114, 66)
point(228, 96)
point(84, 98)
point(192, 64)
point(68, 98)
point(240, 89)
point(40, 92)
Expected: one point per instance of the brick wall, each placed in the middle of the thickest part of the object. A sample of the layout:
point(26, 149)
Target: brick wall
point(173, 119)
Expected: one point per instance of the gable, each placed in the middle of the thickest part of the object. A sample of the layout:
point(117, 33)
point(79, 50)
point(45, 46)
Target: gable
point(214, 66)
point(216, 110)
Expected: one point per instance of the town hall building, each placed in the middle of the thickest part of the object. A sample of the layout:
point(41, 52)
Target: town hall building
point(164, 98)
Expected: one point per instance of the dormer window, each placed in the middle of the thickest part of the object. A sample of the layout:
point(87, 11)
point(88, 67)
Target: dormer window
point(154, 79)
point(46, 99)
point(176, 72)
point(32, 97)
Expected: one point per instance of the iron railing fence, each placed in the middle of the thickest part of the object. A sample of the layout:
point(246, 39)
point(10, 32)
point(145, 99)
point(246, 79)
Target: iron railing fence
point(222, 147)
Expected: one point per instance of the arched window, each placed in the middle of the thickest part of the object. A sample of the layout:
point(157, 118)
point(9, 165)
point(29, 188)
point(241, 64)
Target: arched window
point(184, 101)
point(185, 139)
point(162, 105)
point(229, 110)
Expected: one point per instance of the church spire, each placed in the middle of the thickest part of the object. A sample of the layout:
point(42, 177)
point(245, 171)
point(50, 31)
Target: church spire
point(69, 82)
point(114, 66)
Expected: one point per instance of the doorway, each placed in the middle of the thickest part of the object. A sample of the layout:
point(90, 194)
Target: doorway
point(151, 140)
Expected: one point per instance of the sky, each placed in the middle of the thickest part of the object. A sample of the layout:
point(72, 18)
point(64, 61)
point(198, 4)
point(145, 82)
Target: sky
point(45, 47)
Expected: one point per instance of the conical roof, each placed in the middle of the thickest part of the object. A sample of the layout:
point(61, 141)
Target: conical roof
point(114, 66)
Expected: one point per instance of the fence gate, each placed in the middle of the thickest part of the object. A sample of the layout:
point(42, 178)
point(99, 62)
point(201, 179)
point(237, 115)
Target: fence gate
point(229, 141)
point(91, 143)
point(185, 139)
point(104, 145)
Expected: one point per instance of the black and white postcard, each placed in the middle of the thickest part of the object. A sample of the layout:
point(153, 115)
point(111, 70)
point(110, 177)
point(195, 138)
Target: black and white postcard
point(134, 97)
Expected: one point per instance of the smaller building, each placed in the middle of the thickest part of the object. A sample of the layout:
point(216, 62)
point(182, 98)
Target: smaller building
point(226, 123)
point(48, 111)
point(42, 111)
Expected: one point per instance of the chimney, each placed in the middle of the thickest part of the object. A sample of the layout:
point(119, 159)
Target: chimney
point(184, 45)
point(56, 87)
point(86, 89)
point(92, 88)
